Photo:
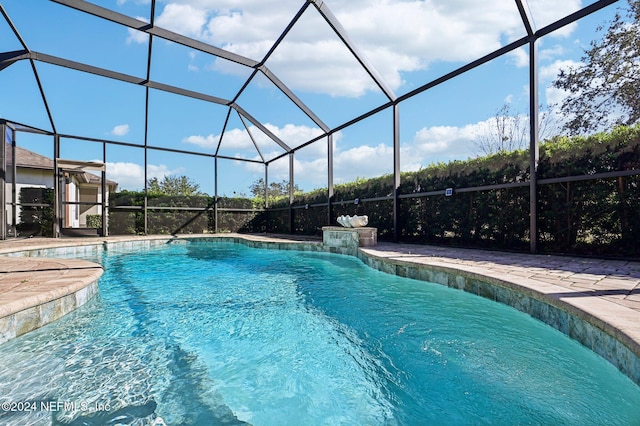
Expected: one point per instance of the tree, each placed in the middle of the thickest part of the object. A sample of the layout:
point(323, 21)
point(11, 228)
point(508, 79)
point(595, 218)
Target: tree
point(508, 131)
point(603, 91)
point(173, 185)
point(276, 189)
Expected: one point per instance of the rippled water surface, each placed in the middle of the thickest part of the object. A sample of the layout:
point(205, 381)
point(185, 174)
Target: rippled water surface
point(206, 333)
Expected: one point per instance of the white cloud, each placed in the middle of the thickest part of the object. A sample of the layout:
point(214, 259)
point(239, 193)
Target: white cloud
point(184, 19)
point(131, 175)
point(519, 57)
point(120, 130)
point(136, 36)
point(362, 161)
point(397, 36)
point(444, 143)
point(553, 52)
point(545, 12)
point(428, 145)
point(550, 72)
point(209, 141)
point(239, 140)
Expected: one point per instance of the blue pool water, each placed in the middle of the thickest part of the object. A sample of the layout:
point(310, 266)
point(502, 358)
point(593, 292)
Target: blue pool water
point(207, 333)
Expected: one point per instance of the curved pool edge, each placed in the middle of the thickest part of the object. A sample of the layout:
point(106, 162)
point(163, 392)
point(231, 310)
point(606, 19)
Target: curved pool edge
point(37, 291)
point(37, 287)
point(588, 314)
point(590, 317)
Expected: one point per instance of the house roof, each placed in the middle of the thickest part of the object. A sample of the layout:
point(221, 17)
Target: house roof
point(32, 160)
point(28, 159)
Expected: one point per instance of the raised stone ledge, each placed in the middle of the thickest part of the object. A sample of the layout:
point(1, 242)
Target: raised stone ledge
point(35, 292)
point(343, 240)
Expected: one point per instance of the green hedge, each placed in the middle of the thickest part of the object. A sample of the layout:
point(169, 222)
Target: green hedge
point(597, 216)
point(127, 217)
point(35, 221)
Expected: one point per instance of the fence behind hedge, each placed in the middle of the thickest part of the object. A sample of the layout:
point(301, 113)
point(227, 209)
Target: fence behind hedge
point(588, 202)
point(588, 199)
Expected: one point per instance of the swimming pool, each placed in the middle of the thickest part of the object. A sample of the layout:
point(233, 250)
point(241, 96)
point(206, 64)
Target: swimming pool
point(201, 332)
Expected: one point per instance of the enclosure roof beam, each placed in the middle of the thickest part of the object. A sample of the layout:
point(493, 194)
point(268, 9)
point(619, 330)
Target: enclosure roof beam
point(585, 11)
point(527, 19)
point(195, 44)
point(9, 58)
point(509, 47)
point(25, 127)
point(469, 66)
point(155, 85)
point(342, 34)
point(136, 24)
point(251, 136)
point(275, 80)
point(224, 129)
point(261, 127)
point(33, 67)
point(78, 66)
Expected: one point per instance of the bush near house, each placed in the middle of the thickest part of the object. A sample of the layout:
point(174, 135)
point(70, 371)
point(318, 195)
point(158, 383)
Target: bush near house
point(36, 212)
point(94, 221)
point(170, 214)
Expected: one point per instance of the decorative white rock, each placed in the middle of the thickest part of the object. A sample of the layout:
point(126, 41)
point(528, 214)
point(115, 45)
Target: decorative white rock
point(353, 221)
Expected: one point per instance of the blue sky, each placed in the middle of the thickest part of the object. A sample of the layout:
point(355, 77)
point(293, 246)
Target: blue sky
point(408, 43)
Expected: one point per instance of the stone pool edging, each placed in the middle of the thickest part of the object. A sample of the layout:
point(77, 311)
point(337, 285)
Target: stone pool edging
point(578, 318)
point(40, 291)
point(581, 323)
point(51, 287)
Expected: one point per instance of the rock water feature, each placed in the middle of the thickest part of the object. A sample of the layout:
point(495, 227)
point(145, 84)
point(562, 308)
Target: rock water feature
point(353, 221)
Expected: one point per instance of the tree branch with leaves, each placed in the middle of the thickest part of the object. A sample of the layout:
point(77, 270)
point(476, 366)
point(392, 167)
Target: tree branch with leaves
point(173, 185)
point(604, 90)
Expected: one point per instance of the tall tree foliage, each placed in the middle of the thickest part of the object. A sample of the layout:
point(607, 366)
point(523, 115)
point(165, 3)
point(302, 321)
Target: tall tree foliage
point(508, 130)
point(604, 88)
point(276, 189)
point(173, 185)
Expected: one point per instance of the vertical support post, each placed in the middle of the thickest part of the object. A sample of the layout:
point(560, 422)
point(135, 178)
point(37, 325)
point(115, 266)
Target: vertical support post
point(145, 213)
point(146, 191)
point(3, 181)
point(396, 172)
point(57, 194)
point(266, 185)
point(291, 184)
point(266, 197)
point(534, 145)
point(330, 193)
point(14, 189)
point(215, 195)
point(105, 213)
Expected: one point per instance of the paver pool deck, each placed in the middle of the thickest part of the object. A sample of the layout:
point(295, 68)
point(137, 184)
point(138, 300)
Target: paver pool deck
point(606, 292)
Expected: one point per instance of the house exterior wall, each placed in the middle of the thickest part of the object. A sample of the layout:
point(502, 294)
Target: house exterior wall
point(88, 195)
point(74, 189)
point(26, 178)
point(72, 211)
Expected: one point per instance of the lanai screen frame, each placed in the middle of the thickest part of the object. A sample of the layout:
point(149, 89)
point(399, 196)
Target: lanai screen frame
point(530, 39)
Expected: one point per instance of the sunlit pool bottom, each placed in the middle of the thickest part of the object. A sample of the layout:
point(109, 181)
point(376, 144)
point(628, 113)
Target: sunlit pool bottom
point(204, 333)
